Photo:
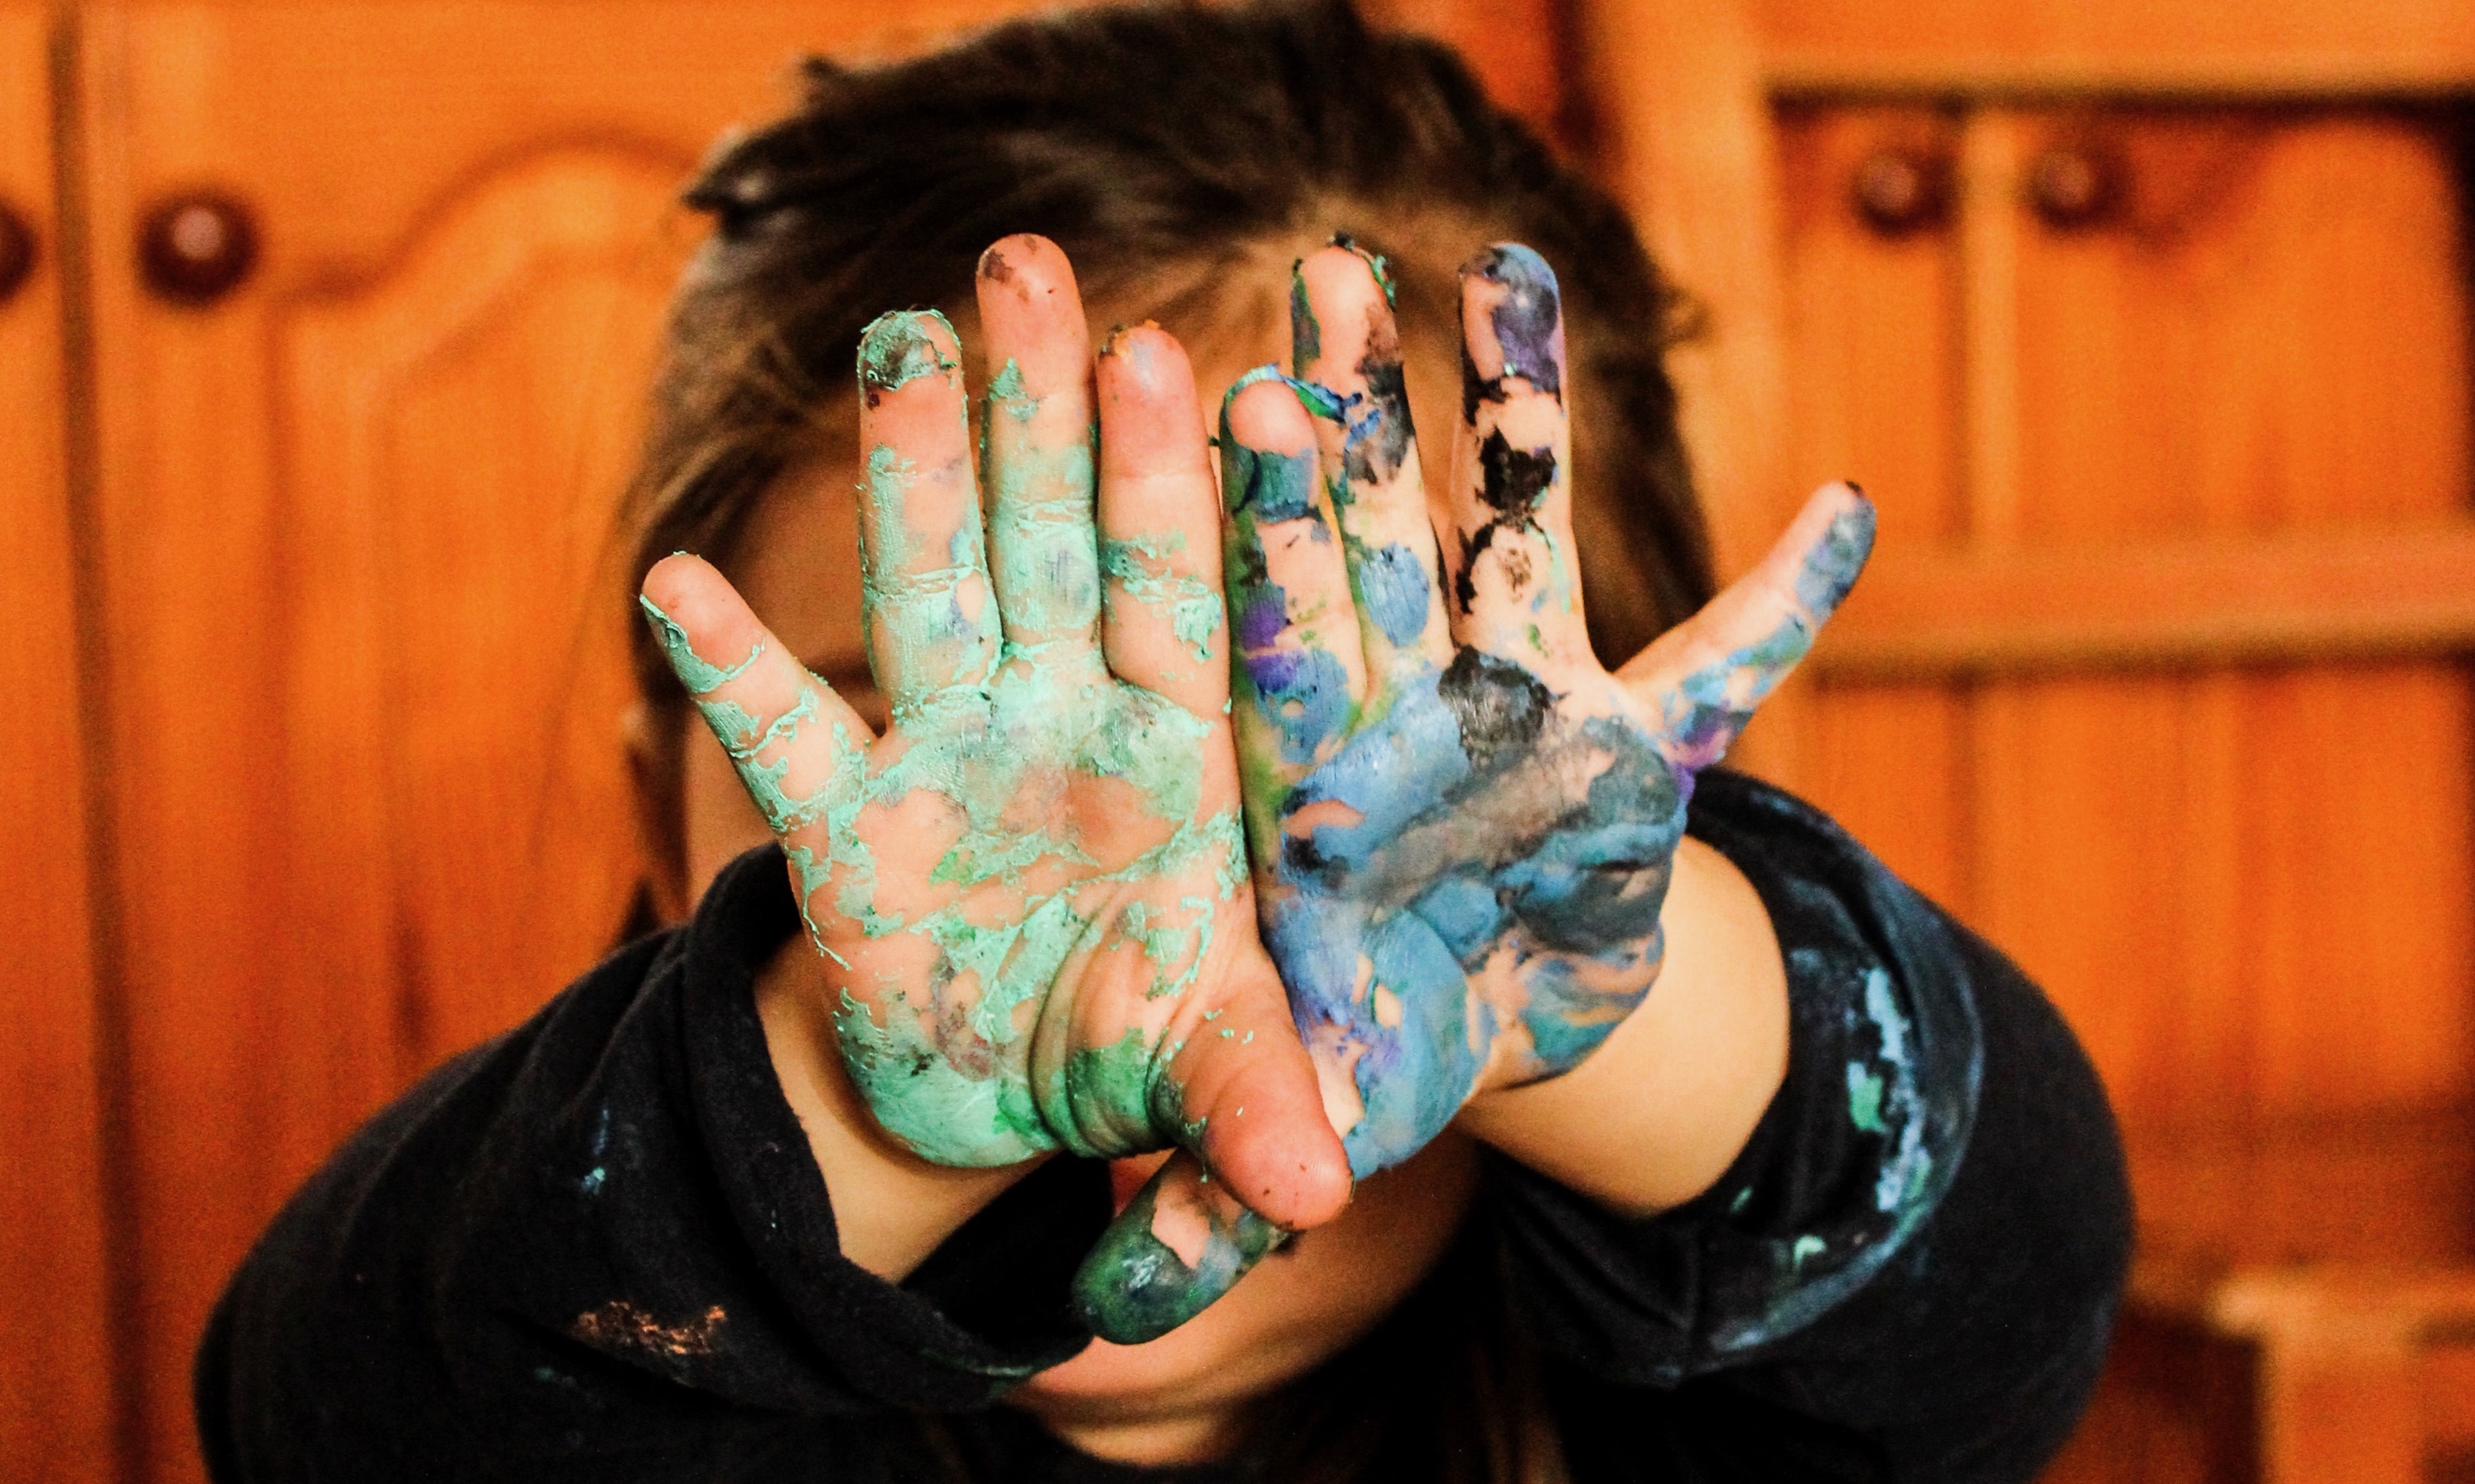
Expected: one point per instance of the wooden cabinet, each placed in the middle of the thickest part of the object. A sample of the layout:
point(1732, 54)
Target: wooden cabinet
point(2241, 869)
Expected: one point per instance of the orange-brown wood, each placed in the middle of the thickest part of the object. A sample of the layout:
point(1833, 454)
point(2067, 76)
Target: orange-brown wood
point(2234, 431)
point(2350, 1366)
point(1680, 134)
point(365, 708)
point(1873, 395)
point(2156, 676)
point(2337, 592)
point(56, 1372)
point(2315, 47)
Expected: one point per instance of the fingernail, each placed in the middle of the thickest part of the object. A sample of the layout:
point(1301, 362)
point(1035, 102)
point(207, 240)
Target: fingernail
point(899, 348)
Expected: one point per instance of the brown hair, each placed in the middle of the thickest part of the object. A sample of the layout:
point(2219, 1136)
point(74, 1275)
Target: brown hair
point(1183, 157)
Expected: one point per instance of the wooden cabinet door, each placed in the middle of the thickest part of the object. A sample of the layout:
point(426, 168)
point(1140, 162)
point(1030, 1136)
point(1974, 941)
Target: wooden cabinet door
point(357, 587)
point(2211, 789)
point(56, 1367)
point(361, 610)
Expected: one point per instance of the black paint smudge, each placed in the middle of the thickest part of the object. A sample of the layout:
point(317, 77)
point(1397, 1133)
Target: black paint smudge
point(1499, 707)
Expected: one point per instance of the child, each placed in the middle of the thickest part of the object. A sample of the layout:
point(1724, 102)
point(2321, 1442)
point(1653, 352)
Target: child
point(1720, 1157)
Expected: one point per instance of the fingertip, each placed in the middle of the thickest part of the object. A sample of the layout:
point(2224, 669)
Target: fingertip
point(668, 581)
point(1262, 412)
point(1271, 1143)
point(1334, 276)
point(1146, 359)
point(1512, 323)
point(684, 591)
point(1025, 261)
point(1513, 265)
point(904, 345)
point(1319, 1187)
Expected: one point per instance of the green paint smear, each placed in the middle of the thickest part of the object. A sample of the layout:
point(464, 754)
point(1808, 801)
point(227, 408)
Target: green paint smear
point(1007, 389)
point(1306, 336)
point(699, 676)
point(1193, 609)
point(896, 350)
point(1865, 1100)
point(1028, 719)
point(924, 1101)
point(980, 738)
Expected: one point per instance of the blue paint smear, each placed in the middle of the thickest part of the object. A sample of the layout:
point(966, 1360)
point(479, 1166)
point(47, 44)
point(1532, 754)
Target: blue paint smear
point(1466, 912)
point(1272, 487)
point(1304, 692)
point(1529, 320)
point(1391, 773)
point(1392, 583)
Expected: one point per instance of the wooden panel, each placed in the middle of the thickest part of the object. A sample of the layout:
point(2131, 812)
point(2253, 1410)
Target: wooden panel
point(2271, 335)
point(2272, 331)
point(344, 554)
point(1873, 322)
point(2283, 46)
point(452, 433)
point(2340, 591)
point(56, 1402)
point(2390, 1187)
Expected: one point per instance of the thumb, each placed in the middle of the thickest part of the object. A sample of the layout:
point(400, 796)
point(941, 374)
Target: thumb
point(1704, 677)
point(1179, 1245)
point(1260, 1160)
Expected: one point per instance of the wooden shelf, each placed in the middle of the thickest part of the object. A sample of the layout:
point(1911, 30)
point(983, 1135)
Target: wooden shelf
point(2355, 592)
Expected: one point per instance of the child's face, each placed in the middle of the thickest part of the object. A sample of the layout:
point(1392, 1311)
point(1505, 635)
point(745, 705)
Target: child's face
point(1173, 1397)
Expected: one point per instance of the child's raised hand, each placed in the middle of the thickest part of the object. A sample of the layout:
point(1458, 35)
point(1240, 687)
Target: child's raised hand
point(1032, 890)
point(1462, 827)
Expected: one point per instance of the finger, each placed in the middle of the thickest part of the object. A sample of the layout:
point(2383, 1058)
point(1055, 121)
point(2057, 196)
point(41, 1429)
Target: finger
point(1509, 508)
point(1261, 1160)
point(1039, 448)
point(1177, 1246)
point(799, 747)
point(1345, 340)
point(924, 591)
point(1703, 677)
point(1160, 524)
point(1299, 671)
point(1248, 1100)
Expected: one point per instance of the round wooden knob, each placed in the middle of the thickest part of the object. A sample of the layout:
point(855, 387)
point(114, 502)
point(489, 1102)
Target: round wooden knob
point(1902, 190)
point(196, 248)
point(2073, 185)
point(17, 250)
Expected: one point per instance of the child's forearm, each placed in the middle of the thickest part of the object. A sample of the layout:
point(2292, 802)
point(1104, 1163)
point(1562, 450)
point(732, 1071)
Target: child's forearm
point(890, 1207)
point(1659, 1112)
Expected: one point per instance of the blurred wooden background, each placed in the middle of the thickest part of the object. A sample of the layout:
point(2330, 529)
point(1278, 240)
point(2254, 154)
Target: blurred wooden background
point(2146, 324)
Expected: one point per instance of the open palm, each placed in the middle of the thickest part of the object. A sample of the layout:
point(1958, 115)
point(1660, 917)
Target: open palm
point(1032, 889)
point(1463, 826)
